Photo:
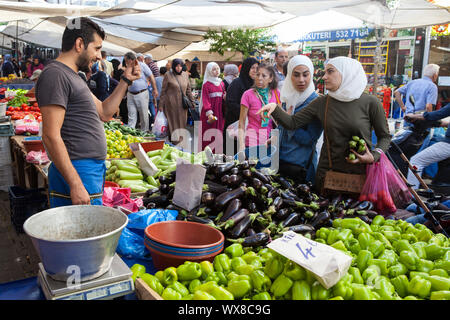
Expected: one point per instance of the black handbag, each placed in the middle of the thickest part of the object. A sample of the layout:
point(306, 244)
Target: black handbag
point(185, 101)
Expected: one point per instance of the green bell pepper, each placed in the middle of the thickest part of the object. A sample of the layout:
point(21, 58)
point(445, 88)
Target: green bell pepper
point(439, 283)
point(202, 295)
point(363, 258)
point(397, 270)
point(425, 265)
point(440, 295)
point(237, 261)
point(222, 263)
point(256, 263)
point(354, 246)
point(376, 247)
point(343, 287)
point(153, 283)
point(409, 259)
point(401, 284)
point(337, 298)
point(420, 287)
point(333, 236)
point(392, 235)
point(301, 290)
point(381, 264)
point(384, 288)
point(193, 285)
point(413, 274)
point(170, 276)
point(370, 274)
point(402, 245)
point(188, 297)
point(234, 250)
point(294, 271)
point(356, 274)
point(339, 245)
point(262, 296)
point(361, 292)
point(207, 267)
point(378, 220)
point(261, 282)
point(319, 240)
point(345, 234)
point(220, 293)
point(434, 251)
point(218, 277)
point(160, 276)
point(419, 248)
point(365, 240)
point(171, 294)
point(439, 272)
point(240, 286)
point(380, 237)
point(265, 254)
point(410, 237)
point(390, 256)
point(350, 223)
point(231, 275)
point(281, 285)
point(424, 235)
point(318, 292)
point(411, 298)
point(138, 270)
point(323, 233)
point(273, 267)
point(250, 256)
point(189, 271)
point(179, 287)
point(245, 269)
point(442, 264)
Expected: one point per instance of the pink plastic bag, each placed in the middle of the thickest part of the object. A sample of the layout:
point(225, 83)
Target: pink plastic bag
point(397, 187)
point(115, 197)
point(376, 187)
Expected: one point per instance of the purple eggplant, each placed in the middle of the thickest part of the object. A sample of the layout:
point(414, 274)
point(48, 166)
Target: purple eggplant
point(239, 228)
point(300, 228)
point(224, 179)
point(290, 220)
point(231, 209)
point(206, 221)
point(224, 198)
point(320, 219)
point(262, 177)
point(282, 214)
point(234, 180)
point(208, 198)
point(250, 231)
point(221, 169)
point(235, 218)
point(256, 240)
point(278, 203)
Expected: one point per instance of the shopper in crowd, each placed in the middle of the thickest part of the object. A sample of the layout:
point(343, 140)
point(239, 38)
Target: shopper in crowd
point(230, 72)
point(194, 71)
point(117, 73)
point(151, 87)
point(7, 66)
point(436, 152)
point(175, 83)
point(34, 77)
point(233, 98)
point(24, 67)
point(101, 81)
point(109, 67)
point(211, 115)
point(347, 111)
point(16, 66)
point(159, 81)
point(72, 117)
point(117, 70)
point(281, 57)
point(298, 155)
point(264, 91)
point(36, 64)
point(148, 59)
point(138, 95)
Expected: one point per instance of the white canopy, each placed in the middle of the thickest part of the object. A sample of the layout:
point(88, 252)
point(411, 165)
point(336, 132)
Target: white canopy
point(164, 27)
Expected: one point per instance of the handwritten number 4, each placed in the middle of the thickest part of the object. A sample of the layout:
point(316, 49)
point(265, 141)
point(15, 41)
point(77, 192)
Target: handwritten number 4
point(306, 253)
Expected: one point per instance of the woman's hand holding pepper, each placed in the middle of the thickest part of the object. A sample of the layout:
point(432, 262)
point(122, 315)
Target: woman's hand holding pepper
point(365, 158)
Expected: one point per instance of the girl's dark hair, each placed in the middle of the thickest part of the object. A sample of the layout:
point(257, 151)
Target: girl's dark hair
point(274, 83)
point(83, 28)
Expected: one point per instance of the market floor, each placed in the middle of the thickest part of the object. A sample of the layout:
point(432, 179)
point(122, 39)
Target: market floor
point(18, 258)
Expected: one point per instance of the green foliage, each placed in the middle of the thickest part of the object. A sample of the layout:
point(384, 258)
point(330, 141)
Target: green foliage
point(245, 41)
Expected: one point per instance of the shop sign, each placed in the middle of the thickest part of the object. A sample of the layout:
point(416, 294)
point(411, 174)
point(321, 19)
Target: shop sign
point(336, 35)
point(404, 44)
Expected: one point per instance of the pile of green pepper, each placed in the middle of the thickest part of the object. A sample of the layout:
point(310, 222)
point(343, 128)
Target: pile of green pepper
point(392, 260)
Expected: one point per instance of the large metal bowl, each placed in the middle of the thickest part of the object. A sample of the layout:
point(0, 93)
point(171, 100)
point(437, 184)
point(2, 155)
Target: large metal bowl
point(76, 242)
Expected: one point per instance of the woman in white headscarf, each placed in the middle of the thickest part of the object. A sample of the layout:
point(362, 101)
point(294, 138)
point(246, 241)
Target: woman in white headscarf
point(230, 72)
point(211, 102)
point(344, 112)
point(298, 155)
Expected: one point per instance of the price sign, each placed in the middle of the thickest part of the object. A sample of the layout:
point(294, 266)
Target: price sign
point(326, 263)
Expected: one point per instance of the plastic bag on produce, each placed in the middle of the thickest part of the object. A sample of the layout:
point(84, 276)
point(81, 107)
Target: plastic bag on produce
point(27, 124)
point(188, 184)
point(37, 157)
point(114, 197)
point(397, 187)
point(376, 187)
point(160, 125)
point(131, 241)
point(327, 264)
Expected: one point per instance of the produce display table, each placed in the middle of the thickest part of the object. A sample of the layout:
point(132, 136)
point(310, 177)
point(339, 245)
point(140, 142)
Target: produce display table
point(24, 170)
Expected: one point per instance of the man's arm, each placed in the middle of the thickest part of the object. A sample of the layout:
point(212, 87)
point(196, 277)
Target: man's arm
point(398, 98)
point(153, 83)
point(52, 120)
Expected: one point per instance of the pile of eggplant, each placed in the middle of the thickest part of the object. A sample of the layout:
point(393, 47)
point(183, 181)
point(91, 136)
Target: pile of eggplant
point(252, 208)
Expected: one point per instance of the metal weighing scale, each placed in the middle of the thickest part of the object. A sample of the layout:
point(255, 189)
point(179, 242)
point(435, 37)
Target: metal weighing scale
point(114, 283)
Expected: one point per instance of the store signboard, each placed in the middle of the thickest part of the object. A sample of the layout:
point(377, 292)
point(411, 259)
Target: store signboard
point(336, 35)
point(404, 45)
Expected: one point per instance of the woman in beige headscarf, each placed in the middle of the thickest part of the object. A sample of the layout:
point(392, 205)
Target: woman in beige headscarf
point(171, 99)
point(350, 112)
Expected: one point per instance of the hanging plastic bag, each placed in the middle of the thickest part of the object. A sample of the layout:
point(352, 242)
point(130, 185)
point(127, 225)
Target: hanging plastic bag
point(397, 187)
point(376, 188)
point(160, 125)
point(131, 241)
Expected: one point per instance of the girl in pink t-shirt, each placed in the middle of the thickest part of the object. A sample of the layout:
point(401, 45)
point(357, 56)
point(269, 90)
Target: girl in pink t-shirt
point(264, 91)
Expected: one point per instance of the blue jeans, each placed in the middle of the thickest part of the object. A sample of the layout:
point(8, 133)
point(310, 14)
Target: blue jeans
point(151, 105)
point(92, 174)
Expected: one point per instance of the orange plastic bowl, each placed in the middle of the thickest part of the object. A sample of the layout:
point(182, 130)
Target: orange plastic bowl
point(171, 243)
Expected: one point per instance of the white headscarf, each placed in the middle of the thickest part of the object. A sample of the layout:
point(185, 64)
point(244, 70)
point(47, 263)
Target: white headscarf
point(289, 93)
point(354, 79)
point(209, 77)
point(232, 72)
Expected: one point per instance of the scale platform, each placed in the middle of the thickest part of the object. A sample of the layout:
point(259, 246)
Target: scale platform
point(114, 283)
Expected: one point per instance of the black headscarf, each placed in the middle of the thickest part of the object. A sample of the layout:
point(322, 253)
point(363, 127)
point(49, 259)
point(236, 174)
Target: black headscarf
point(176, 62)
point(245, 70)
point(194, 71)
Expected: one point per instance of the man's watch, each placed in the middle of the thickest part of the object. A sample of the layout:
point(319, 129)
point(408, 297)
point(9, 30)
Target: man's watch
point(127, 81)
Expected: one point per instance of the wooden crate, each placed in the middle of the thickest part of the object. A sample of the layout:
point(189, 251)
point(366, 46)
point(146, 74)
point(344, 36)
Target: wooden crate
point(144, 292)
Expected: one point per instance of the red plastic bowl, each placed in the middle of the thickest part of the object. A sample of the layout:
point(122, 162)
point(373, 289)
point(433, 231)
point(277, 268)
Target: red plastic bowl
point(171, 243)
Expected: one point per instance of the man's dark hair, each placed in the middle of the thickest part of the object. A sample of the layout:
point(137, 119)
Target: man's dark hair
point(162, 70)
point(285, 68)
point(83, 28)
